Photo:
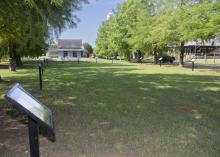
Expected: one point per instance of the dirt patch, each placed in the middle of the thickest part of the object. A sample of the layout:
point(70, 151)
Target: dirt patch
point(13, 135)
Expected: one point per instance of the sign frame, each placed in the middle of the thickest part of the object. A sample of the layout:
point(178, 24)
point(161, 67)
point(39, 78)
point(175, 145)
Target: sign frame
point(20, 107)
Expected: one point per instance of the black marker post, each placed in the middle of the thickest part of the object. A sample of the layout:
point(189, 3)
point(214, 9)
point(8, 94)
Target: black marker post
point(33, 137)
point(42, 67)
point(40, 76)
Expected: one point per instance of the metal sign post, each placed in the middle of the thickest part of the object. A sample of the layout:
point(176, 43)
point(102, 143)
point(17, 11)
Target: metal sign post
point(33, 137)
point(42, 67)
point(40, 77)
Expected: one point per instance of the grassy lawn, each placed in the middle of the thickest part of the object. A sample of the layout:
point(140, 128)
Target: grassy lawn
point(122, 110)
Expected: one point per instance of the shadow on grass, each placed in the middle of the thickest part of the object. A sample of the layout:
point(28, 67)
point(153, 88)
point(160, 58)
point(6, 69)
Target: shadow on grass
point(214, 68)
point(3, 66)
point(105, 110)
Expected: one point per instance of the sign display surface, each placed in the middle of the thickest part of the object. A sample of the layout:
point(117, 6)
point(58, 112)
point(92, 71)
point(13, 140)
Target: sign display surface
point(31, 106)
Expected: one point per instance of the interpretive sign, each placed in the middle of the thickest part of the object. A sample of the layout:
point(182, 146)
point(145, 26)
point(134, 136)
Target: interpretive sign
point(31, 106)
point(38, 115)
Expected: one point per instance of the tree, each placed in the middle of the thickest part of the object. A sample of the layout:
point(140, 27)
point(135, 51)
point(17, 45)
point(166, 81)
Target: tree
point(113, 33)
point(152, 26)
point(192, 22)
point(87, 48)
point(26, 25)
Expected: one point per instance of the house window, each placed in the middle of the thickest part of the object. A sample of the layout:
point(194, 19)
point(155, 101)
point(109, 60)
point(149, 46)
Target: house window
point(74, 54)
point(65, 54)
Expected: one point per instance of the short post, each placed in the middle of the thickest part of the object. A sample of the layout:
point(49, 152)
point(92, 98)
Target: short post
point(78, 60)
point(42, 67)
point(160, 60)
point(193, 64)
point(96, 60)
point(33, 137)
point(112, 59)
point(40, 77)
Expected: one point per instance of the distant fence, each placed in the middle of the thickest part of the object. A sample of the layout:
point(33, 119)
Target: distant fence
point(207, 57)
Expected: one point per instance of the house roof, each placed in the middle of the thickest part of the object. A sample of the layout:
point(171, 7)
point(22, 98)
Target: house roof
point(69, 43)
point(61, 50)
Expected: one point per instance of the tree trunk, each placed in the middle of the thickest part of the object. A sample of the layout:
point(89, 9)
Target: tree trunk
point(155, 58)
point(181, 59)
point(18, 61)
point(12, 66)
point(128, 57)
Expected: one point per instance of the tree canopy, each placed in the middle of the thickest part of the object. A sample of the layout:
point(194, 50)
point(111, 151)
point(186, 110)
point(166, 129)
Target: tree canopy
point(151, 26)
point(27, 26)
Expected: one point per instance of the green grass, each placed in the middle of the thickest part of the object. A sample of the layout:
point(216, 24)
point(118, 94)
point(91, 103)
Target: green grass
point(127, 109)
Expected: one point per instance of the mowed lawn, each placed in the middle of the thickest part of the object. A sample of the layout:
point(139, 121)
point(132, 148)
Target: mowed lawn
point(121, 110)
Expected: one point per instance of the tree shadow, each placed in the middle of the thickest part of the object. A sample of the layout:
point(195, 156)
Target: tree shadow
point(118, 112)
point(3, 66)
point(214, 68)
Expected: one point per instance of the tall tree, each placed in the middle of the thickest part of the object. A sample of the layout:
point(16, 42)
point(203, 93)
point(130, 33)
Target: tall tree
point(25, 25)
point(87, 48)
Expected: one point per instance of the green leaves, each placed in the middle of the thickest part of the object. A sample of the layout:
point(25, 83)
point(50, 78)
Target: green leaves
point(151, 25)
point(29, 23)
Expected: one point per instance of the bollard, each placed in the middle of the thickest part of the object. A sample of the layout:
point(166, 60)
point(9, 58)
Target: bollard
point(40, 77)
point(193, 66)
point(160, 60)
point(42, 67)
point(193, 63)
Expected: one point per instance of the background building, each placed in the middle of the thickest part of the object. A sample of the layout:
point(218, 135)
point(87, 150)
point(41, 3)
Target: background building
point(66, 49)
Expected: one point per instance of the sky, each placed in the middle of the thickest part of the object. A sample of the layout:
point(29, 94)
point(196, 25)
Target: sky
point(91, 16)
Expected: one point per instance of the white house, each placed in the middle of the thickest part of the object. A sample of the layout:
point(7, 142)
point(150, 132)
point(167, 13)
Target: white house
point(66, 49)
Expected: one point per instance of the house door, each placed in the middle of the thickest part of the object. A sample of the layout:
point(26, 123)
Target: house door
point(65, 54)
